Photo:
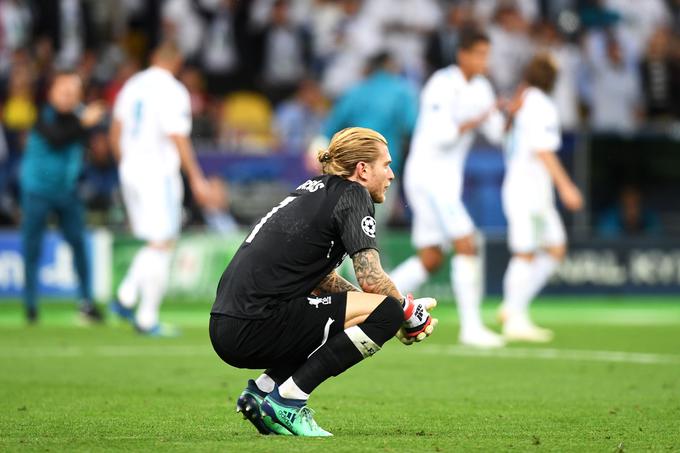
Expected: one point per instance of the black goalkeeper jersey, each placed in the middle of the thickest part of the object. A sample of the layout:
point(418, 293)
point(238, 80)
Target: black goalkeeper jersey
point(293, 247)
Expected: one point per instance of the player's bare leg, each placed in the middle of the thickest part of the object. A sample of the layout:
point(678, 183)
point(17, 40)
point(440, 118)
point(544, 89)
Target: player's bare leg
point(413, 272)
point(466, 276)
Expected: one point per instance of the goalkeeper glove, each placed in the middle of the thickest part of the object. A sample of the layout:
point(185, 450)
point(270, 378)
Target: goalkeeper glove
point(418, 323)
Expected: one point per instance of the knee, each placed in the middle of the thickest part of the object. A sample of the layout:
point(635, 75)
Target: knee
point(78, 245)
point(524, 256)
point(558, 253)
point(76, 239)
point(431, 259)
point(465, 246)
point(31, 250)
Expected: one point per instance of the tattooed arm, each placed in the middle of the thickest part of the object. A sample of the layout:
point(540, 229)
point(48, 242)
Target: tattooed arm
point(334, 283)
point(371, 276)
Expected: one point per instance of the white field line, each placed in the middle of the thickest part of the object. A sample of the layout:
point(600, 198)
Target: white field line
point(106, 351)
point(577, 355)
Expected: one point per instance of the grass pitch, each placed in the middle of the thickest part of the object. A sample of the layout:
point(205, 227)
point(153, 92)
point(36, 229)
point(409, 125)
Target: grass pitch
point(609, 382)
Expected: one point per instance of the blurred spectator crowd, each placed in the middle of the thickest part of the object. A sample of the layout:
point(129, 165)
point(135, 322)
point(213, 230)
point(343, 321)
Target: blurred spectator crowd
point(263, 74)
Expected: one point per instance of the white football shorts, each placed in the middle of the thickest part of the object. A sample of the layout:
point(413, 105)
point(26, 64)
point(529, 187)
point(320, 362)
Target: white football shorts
point(529, 231)
point(439, 217)
point(154, 206)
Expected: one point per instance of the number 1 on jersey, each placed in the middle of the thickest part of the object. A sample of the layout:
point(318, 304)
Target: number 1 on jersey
point(264, 219)
point(137, 117)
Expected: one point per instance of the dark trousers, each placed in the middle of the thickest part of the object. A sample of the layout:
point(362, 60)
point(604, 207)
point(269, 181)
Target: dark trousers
point(71, 219)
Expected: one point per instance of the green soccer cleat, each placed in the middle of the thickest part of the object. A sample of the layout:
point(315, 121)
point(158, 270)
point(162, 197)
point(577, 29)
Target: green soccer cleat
point(249, 405)
point(293, 414)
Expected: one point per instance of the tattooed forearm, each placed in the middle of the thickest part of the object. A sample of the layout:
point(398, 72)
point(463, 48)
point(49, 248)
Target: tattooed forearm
point(371, 276)
point(334, 283)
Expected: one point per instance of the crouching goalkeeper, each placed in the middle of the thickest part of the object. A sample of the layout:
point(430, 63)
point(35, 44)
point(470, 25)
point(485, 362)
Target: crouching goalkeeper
point(282, 307)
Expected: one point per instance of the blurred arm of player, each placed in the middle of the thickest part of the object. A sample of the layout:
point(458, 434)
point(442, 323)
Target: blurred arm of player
point(92, 114)
point(511, 106)
point(475, 123)
point(493, 123)
point(566, 189)
point(114, 138)
point(418, 323)
point(199, 185)
point(436, 115)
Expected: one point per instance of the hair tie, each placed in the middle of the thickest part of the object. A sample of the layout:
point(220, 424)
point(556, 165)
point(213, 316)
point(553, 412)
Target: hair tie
point(325, 157)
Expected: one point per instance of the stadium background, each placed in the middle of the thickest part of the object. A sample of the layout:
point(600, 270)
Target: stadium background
point(255, 113)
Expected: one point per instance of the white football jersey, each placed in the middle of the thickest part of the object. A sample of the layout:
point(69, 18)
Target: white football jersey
point(438, 149)
point(152, 105)
point(535, 129)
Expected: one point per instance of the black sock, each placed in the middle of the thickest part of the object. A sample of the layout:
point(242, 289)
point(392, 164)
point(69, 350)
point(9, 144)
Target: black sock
point(342, 352)
point(280, 374)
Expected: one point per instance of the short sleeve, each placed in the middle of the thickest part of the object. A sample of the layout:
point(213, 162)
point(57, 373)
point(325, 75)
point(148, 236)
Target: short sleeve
point(436, 122)
point(175, 115)
point(547, 136)
point(354, 217)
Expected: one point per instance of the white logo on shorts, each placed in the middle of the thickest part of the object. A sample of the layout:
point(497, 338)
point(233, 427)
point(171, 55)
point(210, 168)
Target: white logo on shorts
point(319, 300)
point(368, 225)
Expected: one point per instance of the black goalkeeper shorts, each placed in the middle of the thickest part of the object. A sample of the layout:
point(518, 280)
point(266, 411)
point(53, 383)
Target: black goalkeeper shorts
point(295, 330)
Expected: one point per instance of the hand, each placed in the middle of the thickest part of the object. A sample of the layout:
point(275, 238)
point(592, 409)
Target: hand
point(571, 197)
point(418, 324)
point(512, 105)
point(476, 122)
point(201, 190)
point(92, 114)
point(471, 124)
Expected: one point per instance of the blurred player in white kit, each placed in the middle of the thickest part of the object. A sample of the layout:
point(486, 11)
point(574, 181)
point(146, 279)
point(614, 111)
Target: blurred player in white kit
point(150, 138)
point(536, 236)
point(456, 102)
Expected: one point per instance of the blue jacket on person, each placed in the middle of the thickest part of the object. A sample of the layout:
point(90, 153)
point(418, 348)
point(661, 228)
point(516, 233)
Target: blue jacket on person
point(53, 156)
point(384, 102)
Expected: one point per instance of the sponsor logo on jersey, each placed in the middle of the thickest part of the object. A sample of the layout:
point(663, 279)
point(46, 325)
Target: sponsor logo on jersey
point(316, 301)
point(310, 185)
point(368, 226)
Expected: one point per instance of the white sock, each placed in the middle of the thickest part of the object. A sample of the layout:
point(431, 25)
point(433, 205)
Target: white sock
point(467, 288)
point(153, 285)
point(265, 383)
point(128, 291)
point(409, 275)
point(517, 286)
point(543, 267)
point(289, 389)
